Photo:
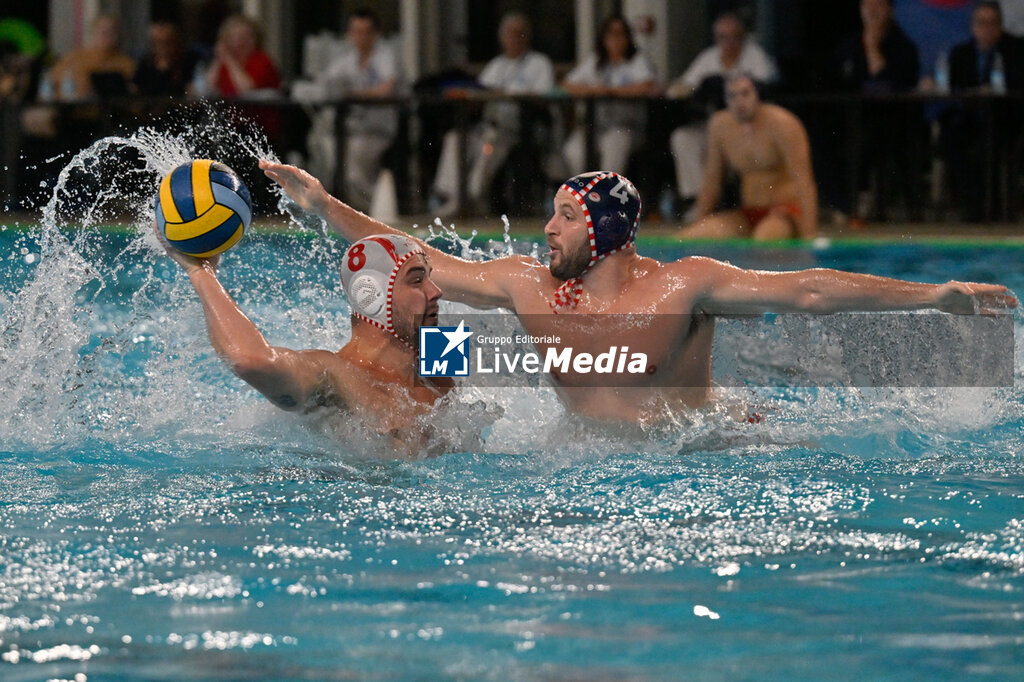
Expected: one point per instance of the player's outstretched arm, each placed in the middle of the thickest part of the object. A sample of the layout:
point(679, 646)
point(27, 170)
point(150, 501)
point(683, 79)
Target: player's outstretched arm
point(292, 380)
point(479, 284)
point(728, 290)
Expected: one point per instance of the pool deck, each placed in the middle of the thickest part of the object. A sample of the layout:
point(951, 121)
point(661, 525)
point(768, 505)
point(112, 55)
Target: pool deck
point(885, 231)
point(657, 232)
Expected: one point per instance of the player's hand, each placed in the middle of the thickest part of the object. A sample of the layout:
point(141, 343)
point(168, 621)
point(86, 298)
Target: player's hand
point(971, 298)
point(300, 186)
point(187, 263)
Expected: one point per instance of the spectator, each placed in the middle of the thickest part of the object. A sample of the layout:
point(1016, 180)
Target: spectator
point(98, 69)
point(239, 64)
point(517, 70)
point(165, 70)
point(971, 62)
point(733, 52)
point(767, 147)
point(617, 68)
point(369, 69)
point(22, 49)
point(970, 68)
point(880, 59)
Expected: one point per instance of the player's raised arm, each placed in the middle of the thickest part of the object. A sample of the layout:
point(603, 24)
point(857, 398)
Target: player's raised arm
point(479, 284)
point(292, 380)
point(728, 290)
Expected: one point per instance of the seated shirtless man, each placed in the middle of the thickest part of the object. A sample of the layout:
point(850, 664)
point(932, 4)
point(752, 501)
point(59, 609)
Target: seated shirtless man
point(595, 271)
point(387, 280)
point(767, 146)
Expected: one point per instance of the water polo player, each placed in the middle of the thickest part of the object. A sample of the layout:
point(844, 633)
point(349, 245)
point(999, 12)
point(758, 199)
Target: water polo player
point(387, 279)
point(595, 271)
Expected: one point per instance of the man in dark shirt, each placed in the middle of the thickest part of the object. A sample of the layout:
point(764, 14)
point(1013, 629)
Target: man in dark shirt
point(973, 144)
point(880, 60)
point(166, 69)
point(971, 62)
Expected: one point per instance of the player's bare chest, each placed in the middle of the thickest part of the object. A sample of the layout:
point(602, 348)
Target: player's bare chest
point(752, 150)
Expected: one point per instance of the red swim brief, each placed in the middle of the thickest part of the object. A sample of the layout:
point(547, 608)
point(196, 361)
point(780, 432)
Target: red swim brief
point(756, 214)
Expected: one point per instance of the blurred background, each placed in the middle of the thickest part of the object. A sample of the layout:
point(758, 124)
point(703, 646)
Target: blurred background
point(428, 107)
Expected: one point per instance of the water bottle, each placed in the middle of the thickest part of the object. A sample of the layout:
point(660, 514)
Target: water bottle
point(199, 86)
point(942, 74)
point(69, 92)
point(998, 78)
point(46, 91)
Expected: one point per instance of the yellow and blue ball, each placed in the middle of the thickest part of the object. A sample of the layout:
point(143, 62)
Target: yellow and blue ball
point(203, 208)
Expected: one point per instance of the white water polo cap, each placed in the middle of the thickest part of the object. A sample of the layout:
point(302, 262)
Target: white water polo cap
point(368, 275)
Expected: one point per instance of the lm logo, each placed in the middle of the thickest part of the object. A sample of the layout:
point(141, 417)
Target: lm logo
point(444, 351)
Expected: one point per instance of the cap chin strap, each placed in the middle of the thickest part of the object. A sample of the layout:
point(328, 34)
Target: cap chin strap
point(568, 295)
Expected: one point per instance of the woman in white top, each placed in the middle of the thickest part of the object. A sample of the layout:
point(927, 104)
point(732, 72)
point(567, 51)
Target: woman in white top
point(617, 68)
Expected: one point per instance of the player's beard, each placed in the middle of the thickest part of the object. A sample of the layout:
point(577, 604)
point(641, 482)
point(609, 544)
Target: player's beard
point(573, 263)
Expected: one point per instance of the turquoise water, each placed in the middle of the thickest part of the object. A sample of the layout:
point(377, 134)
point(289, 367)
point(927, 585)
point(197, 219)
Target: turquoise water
point(158, 520)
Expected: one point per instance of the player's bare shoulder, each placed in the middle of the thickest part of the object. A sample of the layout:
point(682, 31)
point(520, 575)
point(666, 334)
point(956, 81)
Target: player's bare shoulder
point(685, 280)
point(783, 121)
point(526, 278)
point(720, 121)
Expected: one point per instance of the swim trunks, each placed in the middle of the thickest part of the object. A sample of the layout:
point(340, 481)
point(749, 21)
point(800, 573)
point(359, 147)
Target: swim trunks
point(756, 214)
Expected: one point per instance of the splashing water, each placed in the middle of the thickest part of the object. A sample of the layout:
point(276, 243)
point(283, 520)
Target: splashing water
point(162, 521)
point(101, 342)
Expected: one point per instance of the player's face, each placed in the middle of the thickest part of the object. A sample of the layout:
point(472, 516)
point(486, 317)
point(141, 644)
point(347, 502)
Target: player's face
point(568, 238)
point(415, 298)
point(741, 98)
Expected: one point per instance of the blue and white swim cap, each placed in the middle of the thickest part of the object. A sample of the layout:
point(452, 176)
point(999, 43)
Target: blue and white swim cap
point(611, 206)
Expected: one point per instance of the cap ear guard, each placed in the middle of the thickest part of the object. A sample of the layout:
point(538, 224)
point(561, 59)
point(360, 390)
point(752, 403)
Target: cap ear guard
point(612, 230)
point(366, 296)
point(368, 274)
point(612, 208)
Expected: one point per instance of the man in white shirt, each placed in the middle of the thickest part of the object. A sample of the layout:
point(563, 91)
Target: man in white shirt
point(368, 69)
point(732, 52)
point(518, 70)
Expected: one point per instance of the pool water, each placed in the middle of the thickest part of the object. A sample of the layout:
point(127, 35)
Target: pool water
point(159, 520)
